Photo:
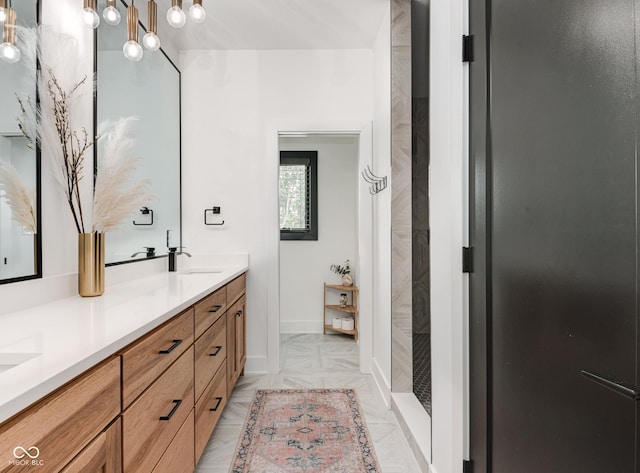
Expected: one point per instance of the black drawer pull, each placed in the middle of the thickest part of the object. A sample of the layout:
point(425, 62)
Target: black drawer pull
point(171, 348)
point(239, 313)
point(215, 309)
point(177, 403)
point(627, 390)
point(218, 348)
point(213, 409)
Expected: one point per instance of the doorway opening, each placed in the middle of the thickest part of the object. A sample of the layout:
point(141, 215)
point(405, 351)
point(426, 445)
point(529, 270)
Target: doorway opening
point(318, 190)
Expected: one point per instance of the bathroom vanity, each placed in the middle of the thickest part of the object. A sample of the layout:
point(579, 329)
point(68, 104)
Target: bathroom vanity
point(134, 381)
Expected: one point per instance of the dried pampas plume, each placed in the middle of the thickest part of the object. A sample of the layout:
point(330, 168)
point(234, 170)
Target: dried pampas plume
point(52, 124)
point(114, 198)
point(19, 198)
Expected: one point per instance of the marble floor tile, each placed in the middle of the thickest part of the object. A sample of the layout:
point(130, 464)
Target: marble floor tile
point(313, 361)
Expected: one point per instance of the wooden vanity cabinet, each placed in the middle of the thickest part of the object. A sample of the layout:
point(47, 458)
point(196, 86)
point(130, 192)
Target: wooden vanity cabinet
point(209, 309)
point(147, 358)
point(236, 331)
point(152, 408)
point(179, 456)
point(62, 424)
point(151, 422)
point(103, 455)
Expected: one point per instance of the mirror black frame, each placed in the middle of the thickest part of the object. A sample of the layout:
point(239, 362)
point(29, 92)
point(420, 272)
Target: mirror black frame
point(95, 127)
point(38, 255)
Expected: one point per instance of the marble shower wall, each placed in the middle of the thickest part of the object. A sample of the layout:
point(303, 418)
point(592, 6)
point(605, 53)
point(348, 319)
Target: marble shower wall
point(401, 198)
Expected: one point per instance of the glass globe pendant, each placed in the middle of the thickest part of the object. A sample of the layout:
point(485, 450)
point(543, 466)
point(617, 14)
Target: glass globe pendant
point(197, 12)
point(151, 40)
point(132, 49)
point(175, 16)
point(90, 16)
point(8, 50)
point(111, 14)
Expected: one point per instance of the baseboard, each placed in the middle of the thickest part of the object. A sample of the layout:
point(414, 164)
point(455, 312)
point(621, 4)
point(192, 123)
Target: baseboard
point(301, 326)
point(415, 424)
point(256, 365)
point(381, 382)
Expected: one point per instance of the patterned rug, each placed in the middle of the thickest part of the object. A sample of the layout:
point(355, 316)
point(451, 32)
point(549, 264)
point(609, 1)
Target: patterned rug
point(305, 431)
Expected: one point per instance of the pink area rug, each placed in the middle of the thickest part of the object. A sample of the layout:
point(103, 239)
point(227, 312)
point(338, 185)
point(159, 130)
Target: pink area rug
point(305, 431)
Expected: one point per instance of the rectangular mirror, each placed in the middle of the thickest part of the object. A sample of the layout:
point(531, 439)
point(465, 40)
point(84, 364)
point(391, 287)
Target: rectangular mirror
point(150, 91)
point(20, 245)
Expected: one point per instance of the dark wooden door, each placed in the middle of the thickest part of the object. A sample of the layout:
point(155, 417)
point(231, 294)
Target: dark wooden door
point(554, 229)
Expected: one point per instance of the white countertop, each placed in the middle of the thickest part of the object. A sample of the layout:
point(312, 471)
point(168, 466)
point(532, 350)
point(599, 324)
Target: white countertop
point(71, 335)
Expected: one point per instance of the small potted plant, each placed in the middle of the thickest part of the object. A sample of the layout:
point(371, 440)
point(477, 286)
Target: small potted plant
point(344, 271)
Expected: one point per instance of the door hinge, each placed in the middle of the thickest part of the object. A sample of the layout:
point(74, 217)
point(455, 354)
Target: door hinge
point(467, 466)
point(467, 259)
point(467, 48)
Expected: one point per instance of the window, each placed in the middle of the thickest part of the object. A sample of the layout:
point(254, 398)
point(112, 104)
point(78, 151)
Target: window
point(298, 195)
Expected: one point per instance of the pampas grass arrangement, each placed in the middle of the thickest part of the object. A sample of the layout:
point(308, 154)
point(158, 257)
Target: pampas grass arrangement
point(52, 125)
point(21, 200)
point(114, 198)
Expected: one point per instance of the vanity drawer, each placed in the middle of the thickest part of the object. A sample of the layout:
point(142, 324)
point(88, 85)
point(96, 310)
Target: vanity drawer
point(211, 351)
point(236, 288)
point(209, 408)
point(146, 359)
point(210, 309)
point(63, 423)
point(152, 421)
point(179, 456)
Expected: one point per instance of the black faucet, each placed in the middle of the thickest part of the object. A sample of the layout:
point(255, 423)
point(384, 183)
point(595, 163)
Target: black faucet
point(173, 252)
point(151, 252)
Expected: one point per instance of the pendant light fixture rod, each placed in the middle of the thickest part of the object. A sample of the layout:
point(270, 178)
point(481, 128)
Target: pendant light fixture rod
point(176, 3)
point(90, 4)
point(153, 16)
point(132, 23)
point(9, 35)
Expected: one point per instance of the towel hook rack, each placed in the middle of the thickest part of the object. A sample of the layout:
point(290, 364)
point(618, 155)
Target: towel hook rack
point(378, 184)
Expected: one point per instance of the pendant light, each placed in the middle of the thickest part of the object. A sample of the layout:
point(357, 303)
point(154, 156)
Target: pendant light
point(151, 40)
point(111, 14)
point(3, 12)
point(197, 13)
point(132, 49)
point(8, 50)
point(175, 15)
point(90, 16)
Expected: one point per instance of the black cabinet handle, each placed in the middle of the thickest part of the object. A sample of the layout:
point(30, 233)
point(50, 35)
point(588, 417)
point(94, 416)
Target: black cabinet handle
point(215, 309)
point(171, 348)
point(213, 409)
point(239, 313)
point(218, 348)
point(627, 390)
point(177, 403)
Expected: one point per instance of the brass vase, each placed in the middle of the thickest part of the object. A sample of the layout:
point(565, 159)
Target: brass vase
point(91, 264)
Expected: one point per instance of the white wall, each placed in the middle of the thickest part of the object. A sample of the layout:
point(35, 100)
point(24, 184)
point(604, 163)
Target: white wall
point(234, 103)
point(447, 183)
point(304, 265)
point(382, 208)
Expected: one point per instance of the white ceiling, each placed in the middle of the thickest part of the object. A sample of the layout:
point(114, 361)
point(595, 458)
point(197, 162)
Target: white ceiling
point(275, 24)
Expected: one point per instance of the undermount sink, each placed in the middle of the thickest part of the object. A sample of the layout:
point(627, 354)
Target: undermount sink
point(11, 360)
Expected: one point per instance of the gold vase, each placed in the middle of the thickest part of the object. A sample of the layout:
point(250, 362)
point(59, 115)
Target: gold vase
point(91, 264)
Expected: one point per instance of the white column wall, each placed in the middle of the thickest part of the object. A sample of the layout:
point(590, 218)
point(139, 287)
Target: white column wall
point(382, 208)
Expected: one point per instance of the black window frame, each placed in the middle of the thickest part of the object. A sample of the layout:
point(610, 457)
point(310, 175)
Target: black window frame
point(309, 159)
